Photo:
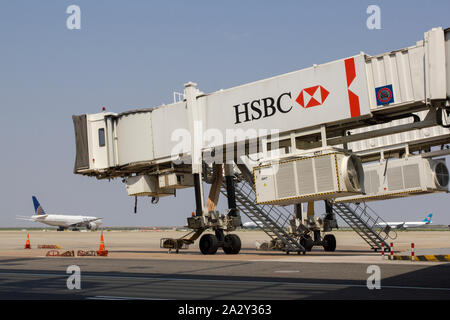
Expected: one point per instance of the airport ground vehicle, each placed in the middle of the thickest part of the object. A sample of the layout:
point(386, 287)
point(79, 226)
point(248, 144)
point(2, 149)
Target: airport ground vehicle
point(345, 132)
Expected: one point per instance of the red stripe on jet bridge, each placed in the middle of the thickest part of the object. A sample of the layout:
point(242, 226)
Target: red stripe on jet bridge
point(354, 104)
point(353, 99)
point(350, 71)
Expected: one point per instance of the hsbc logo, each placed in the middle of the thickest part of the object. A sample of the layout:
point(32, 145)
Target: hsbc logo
point(268, 107)
point(312, 96)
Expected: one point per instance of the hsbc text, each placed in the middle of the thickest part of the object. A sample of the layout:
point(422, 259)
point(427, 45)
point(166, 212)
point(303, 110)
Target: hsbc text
point(266, 107)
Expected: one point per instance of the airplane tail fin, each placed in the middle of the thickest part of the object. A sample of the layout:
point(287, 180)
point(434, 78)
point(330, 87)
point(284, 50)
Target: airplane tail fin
point(37, 207)
point(428, 218)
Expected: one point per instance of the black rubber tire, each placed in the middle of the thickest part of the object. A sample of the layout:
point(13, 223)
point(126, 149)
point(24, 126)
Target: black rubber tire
point(307, 243)
point(208, 244)
point(232, 244)
point(330, 242)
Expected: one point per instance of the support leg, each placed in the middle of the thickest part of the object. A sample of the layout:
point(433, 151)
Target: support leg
point(213, 198)
point(230, 190)
point(198, 195)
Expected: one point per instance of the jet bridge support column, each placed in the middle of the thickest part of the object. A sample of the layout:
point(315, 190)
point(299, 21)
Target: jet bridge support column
point(196, 132)
point(204, 218)
point(198, 195)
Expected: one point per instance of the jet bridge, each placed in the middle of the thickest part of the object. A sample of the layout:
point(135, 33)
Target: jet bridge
point(317, 130)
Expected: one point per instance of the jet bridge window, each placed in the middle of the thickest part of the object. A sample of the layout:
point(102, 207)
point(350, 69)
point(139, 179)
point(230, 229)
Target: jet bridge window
point(101, 137)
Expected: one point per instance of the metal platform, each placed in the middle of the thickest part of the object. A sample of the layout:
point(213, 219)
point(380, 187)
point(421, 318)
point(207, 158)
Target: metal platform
point(364, 221)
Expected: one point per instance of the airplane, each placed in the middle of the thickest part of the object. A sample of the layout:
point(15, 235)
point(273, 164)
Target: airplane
point(61, 221)
point(252, 225)
point(404, 225)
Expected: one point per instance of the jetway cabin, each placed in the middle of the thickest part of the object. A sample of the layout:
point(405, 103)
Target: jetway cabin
point(107, 140)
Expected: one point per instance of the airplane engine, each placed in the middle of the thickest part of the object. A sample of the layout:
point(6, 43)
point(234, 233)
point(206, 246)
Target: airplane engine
point(92, 226)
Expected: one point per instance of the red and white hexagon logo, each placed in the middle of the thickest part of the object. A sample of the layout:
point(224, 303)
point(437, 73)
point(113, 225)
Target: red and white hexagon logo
point(312, 96)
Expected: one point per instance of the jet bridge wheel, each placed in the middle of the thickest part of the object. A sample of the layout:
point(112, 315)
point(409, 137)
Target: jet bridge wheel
point(208, 244)
point(232, 244)
point(307, 242)
point(329, 242)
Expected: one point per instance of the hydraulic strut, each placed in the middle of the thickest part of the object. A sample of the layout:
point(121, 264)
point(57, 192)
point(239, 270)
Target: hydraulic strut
point(230, 190)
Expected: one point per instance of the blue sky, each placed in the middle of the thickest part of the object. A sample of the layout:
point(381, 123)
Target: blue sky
point(132, 54)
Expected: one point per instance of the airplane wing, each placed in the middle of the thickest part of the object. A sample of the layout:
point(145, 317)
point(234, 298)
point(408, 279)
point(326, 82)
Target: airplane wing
point(41, 216)
point(400, 226)
point(24, 218)
point(85, 221)
point(37, 218)
point(92, 220)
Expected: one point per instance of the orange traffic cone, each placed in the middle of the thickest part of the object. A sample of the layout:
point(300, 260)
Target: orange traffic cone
point(102, 243)
point(28, 244)
point(101, 251)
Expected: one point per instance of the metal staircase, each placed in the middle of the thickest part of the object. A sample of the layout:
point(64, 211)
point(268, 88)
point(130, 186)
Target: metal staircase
point(364, 221)
point(273, 220)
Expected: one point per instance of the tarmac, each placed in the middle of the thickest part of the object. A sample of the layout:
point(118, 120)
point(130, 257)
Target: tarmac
point(139, 244)
point(137, 268)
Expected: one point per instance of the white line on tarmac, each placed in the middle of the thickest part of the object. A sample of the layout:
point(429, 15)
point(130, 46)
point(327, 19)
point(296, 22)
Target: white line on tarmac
point(340, 285)
point(312, 259)
point(120, 298)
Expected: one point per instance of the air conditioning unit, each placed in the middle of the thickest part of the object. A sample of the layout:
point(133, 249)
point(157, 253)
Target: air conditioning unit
point(176, 180)
point(401, 178)
point(310, 178)
point(144, 185)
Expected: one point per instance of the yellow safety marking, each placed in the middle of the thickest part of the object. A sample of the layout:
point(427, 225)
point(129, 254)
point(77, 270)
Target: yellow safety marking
point(337, 172)
point(381, 195)
point(430, 257)
point(286, 161)
point(299, 197)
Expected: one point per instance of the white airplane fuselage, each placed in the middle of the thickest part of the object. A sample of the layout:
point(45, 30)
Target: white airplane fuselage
point(252, 225)
point(64, 221)
point(404, 224)
point(407, 224)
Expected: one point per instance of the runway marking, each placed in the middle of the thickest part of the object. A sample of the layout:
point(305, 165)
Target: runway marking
point(120, 298)
point(226, 281)
point(286, 271)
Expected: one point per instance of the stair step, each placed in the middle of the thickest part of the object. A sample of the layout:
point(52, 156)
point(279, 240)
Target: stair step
point(270, 217)
point(361, 224)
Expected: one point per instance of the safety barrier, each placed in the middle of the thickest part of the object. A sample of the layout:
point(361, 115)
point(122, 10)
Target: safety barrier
point(89, 253)
point(430, 257)
point(56, 253)
point(49, 246)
